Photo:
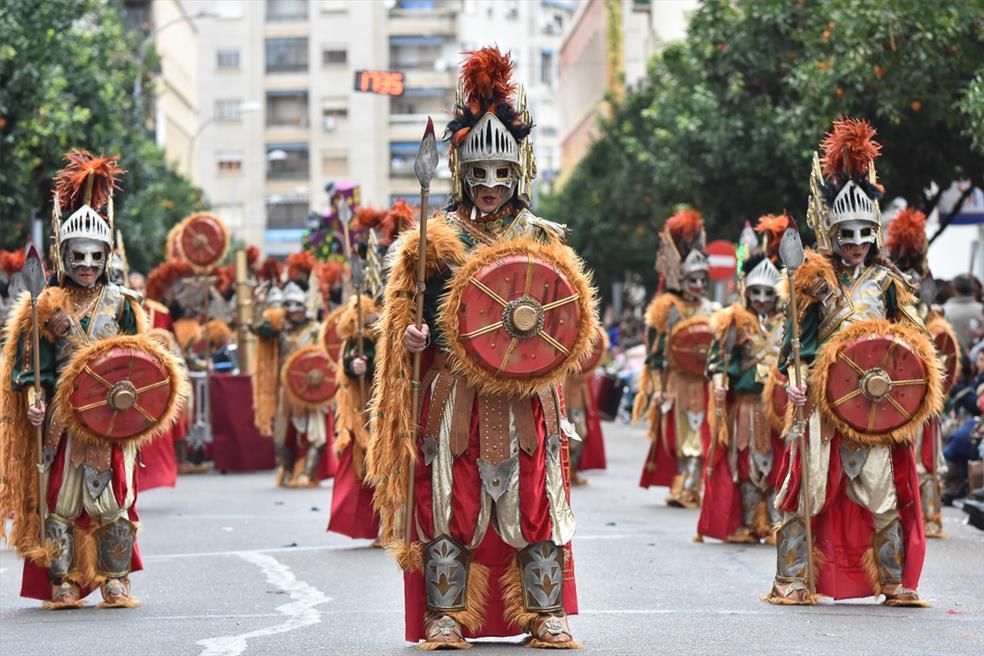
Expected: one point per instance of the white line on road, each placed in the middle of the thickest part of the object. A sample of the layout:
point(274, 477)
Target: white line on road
point(300, 612)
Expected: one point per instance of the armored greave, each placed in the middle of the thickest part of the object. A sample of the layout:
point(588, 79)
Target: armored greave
point(929, 494)
point(750, 497)
point(791, 554)
point(542, 576)
point(889, 550)
point(115, 542)
point(285, 458)
point(775, 515)
point(58, 531)
point(446, 575)
point(312, 459)
point(691, 468)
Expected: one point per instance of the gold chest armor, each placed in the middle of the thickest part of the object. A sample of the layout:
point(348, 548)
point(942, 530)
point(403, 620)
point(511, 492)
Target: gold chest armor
point(295, 338)
point(862, 300)
point(762, 349)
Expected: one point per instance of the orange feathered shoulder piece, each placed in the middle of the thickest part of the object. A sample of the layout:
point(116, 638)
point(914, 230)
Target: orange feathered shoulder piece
point(347, 321)
point(744, 321)
point(814, 279)
point(658, 312)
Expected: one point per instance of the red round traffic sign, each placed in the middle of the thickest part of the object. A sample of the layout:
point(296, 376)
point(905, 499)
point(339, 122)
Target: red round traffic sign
point(722, 260)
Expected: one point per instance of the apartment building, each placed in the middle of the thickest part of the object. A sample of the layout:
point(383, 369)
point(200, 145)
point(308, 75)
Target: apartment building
point(280, 118)
point(607, 48)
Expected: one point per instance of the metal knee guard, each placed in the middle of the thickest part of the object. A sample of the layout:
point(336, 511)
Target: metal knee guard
point(58, 531)
point(446, 575)
point(542, 575)
point(791, 552)
point(691, 474)
point(312, 458)
point(285, 456)
point(930, 503)
point(890, 553)
point(115, 542)
point(750, 498)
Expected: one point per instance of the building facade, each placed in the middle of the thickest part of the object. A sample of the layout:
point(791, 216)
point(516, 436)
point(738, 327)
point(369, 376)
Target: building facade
point(280, 117)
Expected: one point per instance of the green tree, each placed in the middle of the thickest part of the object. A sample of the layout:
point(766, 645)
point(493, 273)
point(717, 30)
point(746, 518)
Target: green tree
point(728, 119)
point(66, 70)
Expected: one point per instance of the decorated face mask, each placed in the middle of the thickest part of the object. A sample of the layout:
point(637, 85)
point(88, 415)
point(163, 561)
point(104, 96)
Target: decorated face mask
point(491, 174)
point(85, 260)
point(764, 297)
point(695, 285)
point(294, 306)
point(855, 232)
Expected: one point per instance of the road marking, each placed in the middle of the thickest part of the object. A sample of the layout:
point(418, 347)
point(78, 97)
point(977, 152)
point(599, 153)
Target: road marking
point(300, 612)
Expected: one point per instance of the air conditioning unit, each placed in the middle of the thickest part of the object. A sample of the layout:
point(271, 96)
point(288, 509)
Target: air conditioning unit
point(328, 123)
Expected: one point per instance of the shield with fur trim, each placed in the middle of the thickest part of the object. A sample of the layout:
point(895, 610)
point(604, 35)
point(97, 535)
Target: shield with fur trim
point(947, 348)
point(309, 377)
point(879, 382)
point(203, 241)
point(690, 344)
point(519, 315)
point(119, 390)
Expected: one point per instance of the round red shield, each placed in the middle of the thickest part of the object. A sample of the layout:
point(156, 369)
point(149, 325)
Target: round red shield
point(876, 383)
point(949, 351)
point(310, 376)
point(593, 360)
point(329, 335)
point(203, 240)
point(121, 393)
point(519, 317)
point(690, 343)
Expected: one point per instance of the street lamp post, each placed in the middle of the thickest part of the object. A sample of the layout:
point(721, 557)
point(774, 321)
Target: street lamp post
point(145, 44)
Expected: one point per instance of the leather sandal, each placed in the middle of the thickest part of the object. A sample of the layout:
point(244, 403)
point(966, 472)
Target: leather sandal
point(442, 632)
point(552, 632)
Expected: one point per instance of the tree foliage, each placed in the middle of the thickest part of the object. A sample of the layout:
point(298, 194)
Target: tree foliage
point(66, 71)
point(728, 120)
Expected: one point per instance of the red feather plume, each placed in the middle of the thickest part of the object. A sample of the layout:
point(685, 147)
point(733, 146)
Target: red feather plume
point(486, 77)
point(906, 233)
point(11, 261)
point(300, 264)
point(368, 217)
point(252, 256)
point(270, 270)
point(849, 147)
point(772, 226)
point(71, 181)
point(397, 219)
point(685, 225)
point(160, 279)
point(225, 277)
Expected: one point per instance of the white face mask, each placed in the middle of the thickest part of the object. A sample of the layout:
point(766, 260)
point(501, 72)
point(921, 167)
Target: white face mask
point(84, 253)
point(762, 294)
point(855, 232)
point(495, 173)
point(695, 285)
point(294, 306)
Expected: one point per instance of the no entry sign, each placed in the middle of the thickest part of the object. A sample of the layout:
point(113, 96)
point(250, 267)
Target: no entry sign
point(722, 260)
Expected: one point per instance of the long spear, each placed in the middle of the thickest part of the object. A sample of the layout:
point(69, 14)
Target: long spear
point(33, 278)
point(791, 252)
point(423, 166)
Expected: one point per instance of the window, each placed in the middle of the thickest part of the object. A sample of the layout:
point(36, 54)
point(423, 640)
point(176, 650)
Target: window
point(334, 56)
point(227, 59)
point(227, 110)
point(286, 55)
point(287, 161)
point(287, 108)
point(334, 163)
point(278, 10)
point(229, 163)
point(287, 212)
point(415, 52)
point(546, 66)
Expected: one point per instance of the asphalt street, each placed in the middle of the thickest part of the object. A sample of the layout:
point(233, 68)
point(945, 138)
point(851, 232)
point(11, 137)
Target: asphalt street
point(234, 565)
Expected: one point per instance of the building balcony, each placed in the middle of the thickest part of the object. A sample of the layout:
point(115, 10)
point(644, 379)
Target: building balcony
point(438, 21)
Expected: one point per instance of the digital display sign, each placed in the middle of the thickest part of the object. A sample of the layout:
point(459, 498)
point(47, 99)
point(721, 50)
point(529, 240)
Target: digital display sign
point(387, 83)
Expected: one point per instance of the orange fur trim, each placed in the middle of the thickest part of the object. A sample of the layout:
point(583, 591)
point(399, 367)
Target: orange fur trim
point(219, 333)
point(351, 419)
point(849, 147)
point(746, 324)
point(815, 267)
point(409, 559)
point(776, 421)
point(569, 265)
point(512, 598)
point(266, 379)
point(658, 312)
point(187, 332)
point(869, 563)
point(163, 337)
point(540, 644)
point(393, 436)
point(917, 341)
point(178, 397)
point(645, 390)
point(84, 572)
point(473, 617)
point(347, 319)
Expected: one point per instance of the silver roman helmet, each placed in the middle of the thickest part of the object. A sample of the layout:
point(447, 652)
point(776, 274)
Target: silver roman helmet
point(761, 281)
point(294, 298)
